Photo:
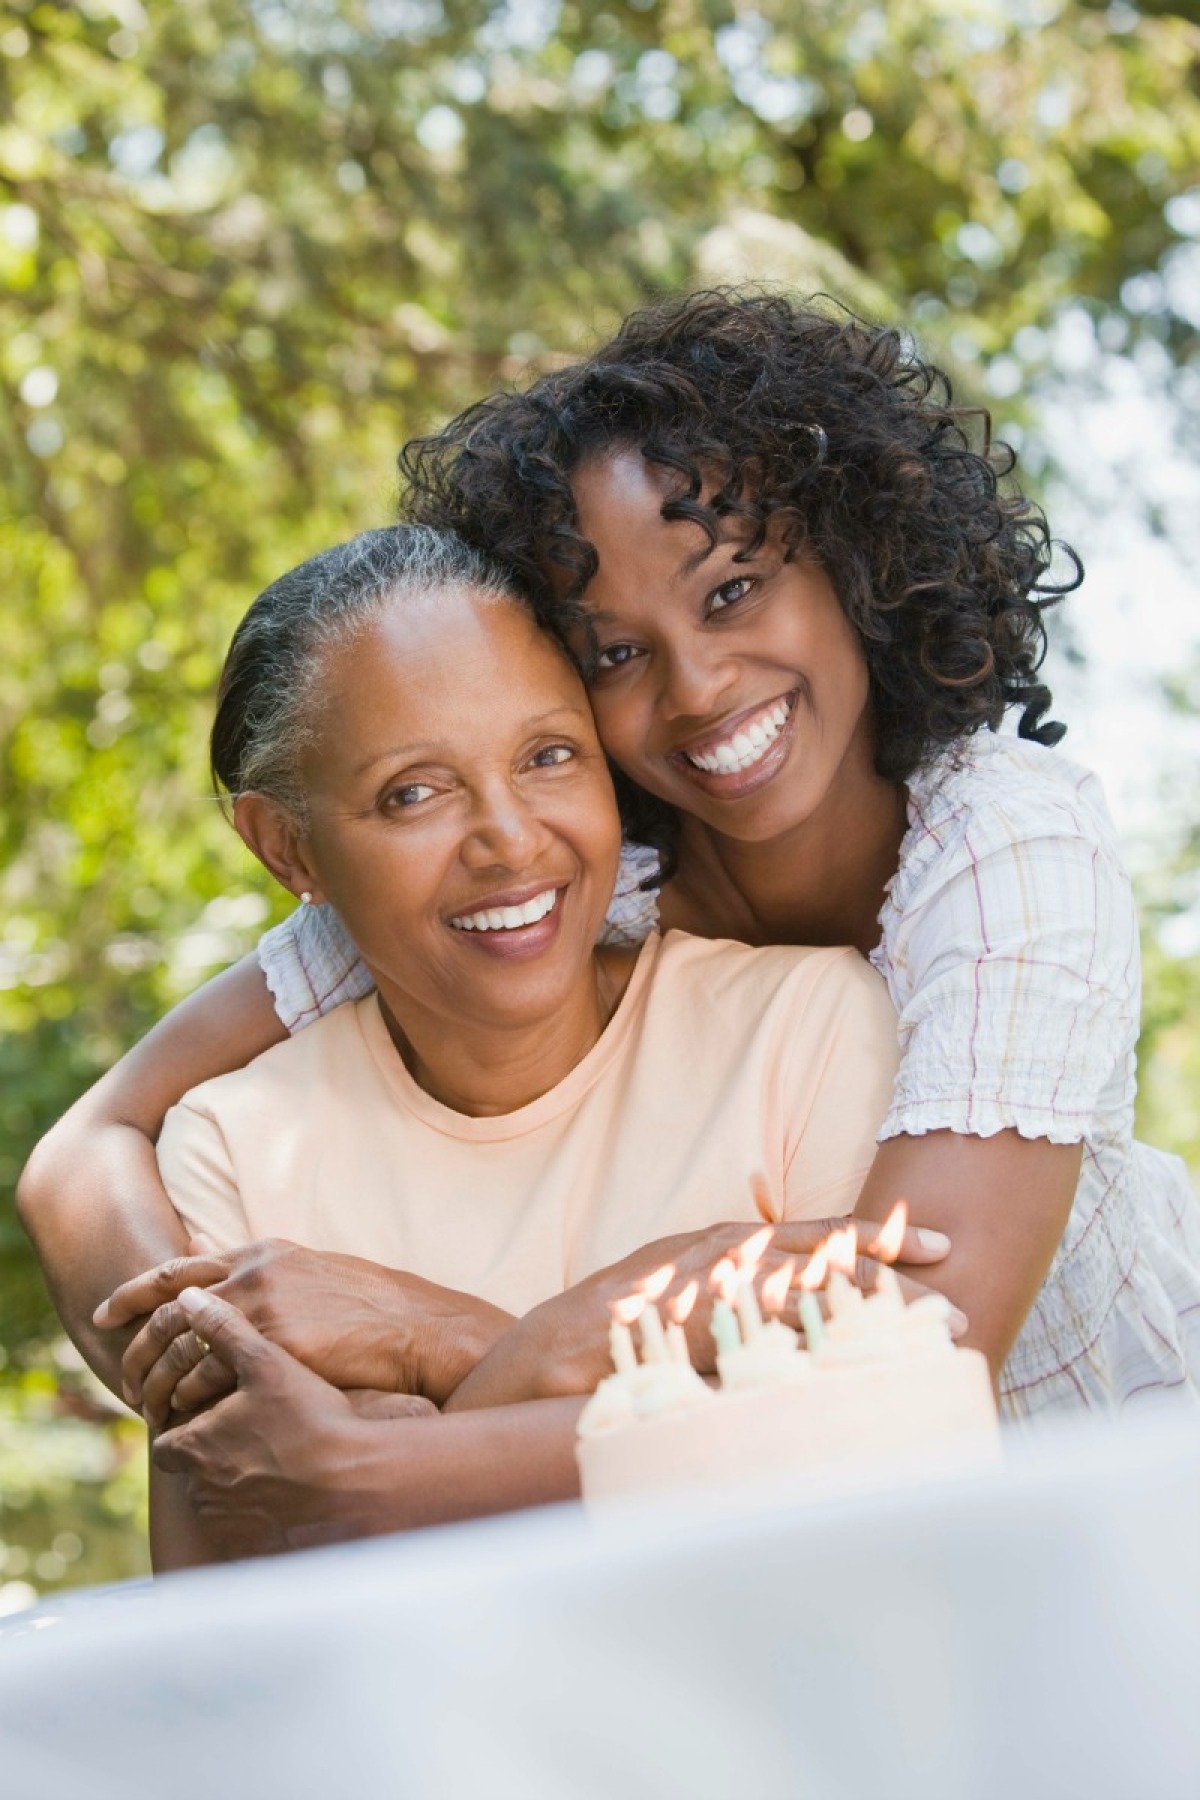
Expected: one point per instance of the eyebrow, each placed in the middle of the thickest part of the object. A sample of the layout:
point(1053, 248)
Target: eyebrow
point(429, 748)
point(600, 615)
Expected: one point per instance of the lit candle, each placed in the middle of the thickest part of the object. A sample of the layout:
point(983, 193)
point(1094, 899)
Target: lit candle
point(725, 1331)
point(654, 1343)
point(842, 1251)
point(887, 1289)
point(811, 1320)
point(620, 1338)
point(890, 1237)
point(749, 1316)
point(746, 1259)
point(811, 1278)
point(680, 1310)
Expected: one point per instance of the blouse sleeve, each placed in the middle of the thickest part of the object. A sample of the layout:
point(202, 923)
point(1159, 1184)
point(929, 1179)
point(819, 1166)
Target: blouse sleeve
point(311, 966)
point(1014, 969)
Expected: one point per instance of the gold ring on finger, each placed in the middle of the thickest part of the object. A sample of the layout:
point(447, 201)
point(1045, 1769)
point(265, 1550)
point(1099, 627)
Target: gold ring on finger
point(203, 1344)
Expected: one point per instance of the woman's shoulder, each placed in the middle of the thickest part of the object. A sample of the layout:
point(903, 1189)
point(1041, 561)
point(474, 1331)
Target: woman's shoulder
point(633, 911)
point(720, 972)
point(311, 1064)
point(992, 794)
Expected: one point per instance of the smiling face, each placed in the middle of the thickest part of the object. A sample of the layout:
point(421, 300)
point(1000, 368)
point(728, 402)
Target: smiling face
point(460, 814)
point(735, 690)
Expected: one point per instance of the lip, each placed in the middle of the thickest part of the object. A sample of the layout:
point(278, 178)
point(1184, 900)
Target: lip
point(521, 943)
point(733, 784)
point(505, 897)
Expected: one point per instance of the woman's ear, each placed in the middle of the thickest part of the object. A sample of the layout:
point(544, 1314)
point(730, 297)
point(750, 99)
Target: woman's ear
point(271, 832)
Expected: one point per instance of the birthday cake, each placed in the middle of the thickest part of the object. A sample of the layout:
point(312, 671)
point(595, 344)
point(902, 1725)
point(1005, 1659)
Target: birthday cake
point(874, 1393)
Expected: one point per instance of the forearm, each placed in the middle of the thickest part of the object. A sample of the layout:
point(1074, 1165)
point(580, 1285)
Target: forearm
point(1003, 1201)
point(176, 1538)
point(97, 1214)
point(398, 1476)
point(90, 1197)
point(558, 1349)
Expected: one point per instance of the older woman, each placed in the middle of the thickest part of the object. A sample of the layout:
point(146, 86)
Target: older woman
point(512, 1111)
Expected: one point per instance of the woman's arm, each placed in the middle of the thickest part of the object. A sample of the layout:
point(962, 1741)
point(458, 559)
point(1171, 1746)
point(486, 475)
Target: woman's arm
point(562, 1346)
point(287, 1461)
point(1003, 1201)
point(90, 1197)
point(355, 1323)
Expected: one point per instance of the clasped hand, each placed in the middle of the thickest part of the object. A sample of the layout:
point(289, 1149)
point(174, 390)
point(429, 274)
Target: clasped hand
point(355, 1323)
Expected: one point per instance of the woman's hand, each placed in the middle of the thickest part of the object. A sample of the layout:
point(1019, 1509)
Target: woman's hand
point(268, 1468)
point(287, 1461)
point(353, 1322)
point(562, 1346)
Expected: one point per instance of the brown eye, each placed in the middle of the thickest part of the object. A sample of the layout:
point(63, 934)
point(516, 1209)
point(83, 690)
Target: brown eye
point(729, 593)
point(616, 656)
point(411, 794)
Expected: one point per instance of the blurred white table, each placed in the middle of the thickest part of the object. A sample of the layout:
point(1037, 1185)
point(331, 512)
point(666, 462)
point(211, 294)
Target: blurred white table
point(1032, 1634)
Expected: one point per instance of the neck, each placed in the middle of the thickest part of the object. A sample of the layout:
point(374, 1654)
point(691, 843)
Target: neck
point(815, 884)
point(483, 1068)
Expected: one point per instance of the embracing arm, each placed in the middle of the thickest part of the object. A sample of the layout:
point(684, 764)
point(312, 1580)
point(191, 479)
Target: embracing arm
point(1003, 1201)
point(90, 1197)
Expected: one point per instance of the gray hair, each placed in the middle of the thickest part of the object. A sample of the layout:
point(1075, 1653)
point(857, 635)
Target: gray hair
point(268, 700)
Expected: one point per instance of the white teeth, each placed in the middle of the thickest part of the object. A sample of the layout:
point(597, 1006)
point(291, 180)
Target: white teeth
point(508, 918)
point(747, 746)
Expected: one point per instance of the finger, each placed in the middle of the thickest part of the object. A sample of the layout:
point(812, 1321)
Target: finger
point(181, 1356)
point(208, 1381)
point(133, 1299)
point(374, 1403)
point(228, 1334)
point(200, 1244)
point(172, 1451)
point(164, 1325)
point(802, 1236)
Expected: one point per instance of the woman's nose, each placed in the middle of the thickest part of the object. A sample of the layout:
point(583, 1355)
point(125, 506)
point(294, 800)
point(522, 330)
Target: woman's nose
point(695, 682)
point(505, 833)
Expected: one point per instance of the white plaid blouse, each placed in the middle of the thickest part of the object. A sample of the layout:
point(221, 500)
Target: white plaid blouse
point(1009, 946)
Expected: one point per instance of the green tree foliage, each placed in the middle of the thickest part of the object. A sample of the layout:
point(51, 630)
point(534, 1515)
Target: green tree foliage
point(246, 249)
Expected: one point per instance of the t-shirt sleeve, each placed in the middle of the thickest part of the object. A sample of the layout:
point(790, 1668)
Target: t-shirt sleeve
point(311, 966)
point(198, 1174)
point(841, 1065)
point(1017, 977)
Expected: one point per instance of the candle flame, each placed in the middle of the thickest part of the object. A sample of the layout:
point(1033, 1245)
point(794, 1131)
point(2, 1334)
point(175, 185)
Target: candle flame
point(762, 1200)
point(886, 1247)
point(842, 1249)
point(632, 1307)
point(775, 1287)
point(816, 1269)
point(749, 1254)
point(680, 1308)
point(658, 1283)
point(725, 1278)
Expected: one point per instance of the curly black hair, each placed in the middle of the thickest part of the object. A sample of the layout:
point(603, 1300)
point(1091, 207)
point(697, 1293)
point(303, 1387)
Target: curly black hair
point(797, 414)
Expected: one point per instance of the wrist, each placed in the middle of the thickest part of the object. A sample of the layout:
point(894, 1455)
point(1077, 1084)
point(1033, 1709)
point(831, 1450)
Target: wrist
point(563, 1346)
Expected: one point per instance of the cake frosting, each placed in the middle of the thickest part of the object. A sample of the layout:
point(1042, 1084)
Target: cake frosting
point(880, 1395)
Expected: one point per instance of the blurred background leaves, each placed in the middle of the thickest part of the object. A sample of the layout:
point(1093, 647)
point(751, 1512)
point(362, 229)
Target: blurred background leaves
point(246, 250)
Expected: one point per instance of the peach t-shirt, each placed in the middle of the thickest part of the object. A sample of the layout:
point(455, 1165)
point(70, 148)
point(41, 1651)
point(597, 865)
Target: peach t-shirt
point(720, 1061)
